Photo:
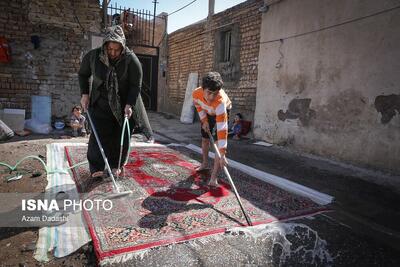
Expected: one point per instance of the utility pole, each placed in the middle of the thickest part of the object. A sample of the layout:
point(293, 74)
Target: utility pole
point(211, 6)
point(154, 19)
point(105, 7)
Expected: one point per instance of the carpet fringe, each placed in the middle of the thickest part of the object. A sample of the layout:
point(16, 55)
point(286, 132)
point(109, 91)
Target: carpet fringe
point(139, 255)
point(277, 232)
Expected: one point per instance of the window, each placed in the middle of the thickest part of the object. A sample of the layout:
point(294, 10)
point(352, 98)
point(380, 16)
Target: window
point(227, 53)
point(226, 43)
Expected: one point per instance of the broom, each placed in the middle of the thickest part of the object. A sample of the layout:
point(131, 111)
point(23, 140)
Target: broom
point(230, 180)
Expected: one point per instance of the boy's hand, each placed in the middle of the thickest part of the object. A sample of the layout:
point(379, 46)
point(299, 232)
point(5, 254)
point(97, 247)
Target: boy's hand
point(85, 102)
point(205, 126)
point(128, 111)
point(222, 161)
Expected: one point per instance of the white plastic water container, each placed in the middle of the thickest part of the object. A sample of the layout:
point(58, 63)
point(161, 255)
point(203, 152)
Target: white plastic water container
point(14, 118)
point(41, 109)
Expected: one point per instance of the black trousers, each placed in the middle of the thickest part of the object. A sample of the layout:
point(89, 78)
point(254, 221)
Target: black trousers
point(109, 132)
point(211, 123)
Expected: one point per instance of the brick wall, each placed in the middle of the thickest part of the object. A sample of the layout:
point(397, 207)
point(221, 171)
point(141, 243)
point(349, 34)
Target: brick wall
point(64, 28)
point(195, 49)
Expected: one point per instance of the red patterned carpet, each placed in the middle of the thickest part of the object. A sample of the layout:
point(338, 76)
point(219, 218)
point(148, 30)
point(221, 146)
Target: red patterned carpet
point(171, 203)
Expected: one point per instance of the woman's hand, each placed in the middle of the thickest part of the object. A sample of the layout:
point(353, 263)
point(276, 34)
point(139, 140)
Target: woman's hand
point(128, 111)
point(85, 102)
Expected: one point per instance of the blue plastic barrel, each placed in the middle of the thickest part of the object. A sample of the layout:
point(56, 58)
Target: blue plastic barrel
point(41, 109)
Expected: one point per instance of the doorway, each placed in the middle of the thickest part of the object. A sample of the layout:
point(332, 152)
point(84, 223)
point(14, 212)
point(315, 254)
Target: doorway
point(149, 82)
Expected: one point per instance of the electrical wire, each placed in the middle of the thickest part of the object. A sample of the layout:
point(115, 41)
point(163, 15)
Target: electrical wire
point(331, 26)
point(182, 8)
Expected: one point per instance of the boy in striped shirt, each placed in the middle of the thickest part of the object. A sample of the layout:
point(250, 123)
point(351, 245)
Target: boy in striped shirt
point(213, 105)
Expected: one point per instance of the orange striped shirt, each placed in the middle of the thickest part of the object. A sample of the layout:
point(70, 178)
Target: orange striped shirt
point(218, 109)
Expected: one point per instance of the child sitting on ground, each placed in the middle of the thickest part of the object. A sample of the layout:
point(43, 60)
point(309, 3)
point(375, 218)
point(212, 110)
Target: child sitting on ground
point(78, 122)
point(236, 129)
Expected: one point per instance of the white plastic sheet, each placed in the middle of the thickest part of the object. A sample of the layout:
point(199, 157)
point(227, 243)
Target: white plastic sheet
point(187, 115)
